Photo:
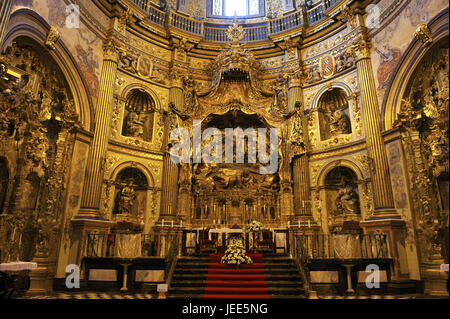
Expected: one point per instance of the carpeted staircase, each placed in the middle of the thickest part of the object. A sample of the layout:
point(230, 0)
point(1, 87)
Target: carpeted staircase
point(270, 276)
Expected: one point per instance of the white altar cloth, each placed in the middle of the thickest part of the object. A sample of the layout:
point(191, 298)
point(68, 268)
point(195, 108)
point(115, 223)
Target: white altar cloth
point(18, 266)
point(224, 231)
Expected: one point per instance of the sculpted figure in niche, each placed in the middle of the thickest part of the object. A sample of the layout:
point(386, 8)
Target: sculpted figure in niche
point(337, 121)
point(126, 199)
point(135, 125)
point(347, 200)
point(281, 99)
point(296, 134)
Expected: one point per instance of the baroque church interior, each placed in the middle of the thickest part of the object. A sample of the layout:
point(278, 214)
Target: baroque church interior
point(349, 102)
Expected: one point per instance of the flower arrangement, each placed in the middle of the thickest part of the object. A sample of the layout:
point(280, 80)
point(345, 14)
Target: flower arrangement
point(254, 226)
point(235, 253)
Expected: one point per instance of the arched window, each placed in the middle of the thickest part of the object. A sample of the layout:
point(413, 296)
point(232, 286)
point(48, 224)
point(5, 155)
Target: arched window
point(230, 8)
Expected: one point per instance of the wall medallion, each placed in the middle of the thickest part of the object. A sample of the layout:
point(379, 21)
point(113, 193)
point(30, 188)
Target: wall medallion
point(327, 66)
point(145, 66)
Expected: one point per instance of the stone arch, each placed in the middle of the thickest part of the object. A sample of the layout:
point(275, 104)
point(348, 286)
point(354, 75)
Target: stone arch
point(120, 167)
point(343, 162)
point(148, 90)
point(27, 23)
point(439, 27)
point(339, 85)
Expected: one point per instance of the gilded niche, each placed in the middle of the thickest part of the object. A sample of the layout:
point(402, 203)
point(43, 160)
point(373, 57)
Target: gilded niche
point(37, 122)
point(423, 121)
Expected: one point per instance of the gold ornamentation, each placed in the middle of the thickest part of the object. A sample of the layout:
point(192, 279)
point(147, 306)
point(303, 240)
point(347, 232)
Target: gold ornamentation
point(124, 19)
point(423, 34)
point(52, 37)
point(235, 33)
point(348, 14)
point(112, 51)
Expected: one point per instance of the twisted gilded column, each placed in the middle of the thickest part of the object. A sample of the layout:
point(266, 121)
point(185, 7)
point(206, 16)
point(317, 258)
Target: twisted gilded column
point(5, 13)
point(382, 189)
point(90, 201)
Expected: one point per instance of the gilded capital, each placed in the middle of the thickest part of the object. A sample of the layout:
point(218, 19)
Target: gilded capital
point(112, 51)
point(360, 49)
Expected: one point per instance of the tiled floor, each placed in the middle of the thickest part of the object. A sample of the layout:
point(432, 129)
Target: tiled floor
point(103, 295)
point(91, 295)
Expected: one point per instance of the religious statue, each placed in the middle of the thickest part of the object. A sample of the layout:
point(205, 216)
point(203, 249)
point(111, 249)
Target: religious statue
point(281, 99)
point(315, 75)
point(190, 95)
point(126, 199)
point(135, 125)
point(340, 63)
point(296, 133)
point(347, 201)
point(338, 123)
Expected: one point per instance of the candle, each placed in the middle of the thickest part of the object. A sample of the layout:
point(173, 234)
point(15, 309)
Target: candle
point(181, 224)
point(172, 223)
point(309, 224)
point(163, 222)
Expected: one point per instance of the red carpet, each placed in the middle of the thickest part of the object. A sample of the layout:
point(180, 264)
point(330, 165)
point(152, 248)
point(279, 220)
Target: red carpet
point(226, 282)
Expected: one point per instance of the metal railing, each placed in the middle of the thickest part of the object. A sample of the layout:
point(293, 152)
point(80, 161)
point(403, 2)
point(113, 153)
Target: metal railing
point(172, 258)
point(324, 246)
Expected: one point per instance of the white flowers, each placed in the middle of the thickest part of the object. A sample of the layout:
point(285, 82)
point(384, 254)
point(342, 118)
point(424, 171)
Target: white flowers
point(254, 226)
point(235, 253)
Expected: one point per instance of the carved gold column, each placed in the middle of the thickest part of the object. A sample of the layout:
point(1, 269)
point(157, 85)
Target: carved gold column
point(384, 217)
point(382, 188)
point(90, 202)
point(5, 12)
point(300, 162)
point(168, 226)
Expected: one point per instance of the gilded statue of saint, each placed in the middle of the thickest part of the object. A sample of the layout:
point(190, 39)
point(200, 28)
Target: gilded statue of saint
point(126, 199)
